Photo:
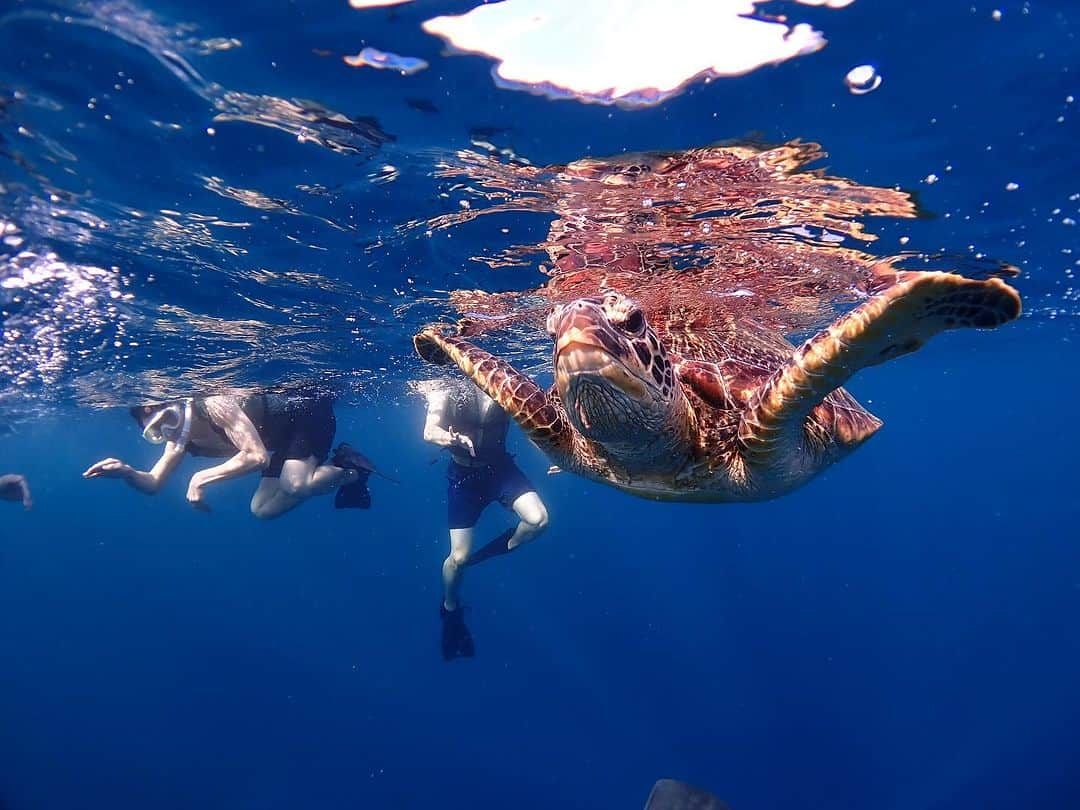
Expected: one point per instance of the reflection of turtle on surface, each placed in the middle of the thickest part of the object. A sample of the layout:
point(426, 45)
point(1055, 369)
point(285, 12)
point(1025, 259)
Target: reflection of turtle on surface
point(679, 384)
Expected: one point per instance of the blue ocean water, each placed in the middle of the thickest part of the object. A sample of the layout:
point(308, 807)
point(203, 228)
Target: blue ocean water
point(897, 634)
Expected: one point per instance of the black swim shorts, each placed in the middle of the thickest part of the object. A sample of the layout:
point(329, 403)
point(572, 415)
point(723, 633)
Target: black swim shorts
point(297, 427)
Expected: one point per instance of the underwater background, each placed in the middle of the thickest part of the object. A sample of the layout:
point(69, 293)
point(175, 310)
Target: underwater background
point(248, 210)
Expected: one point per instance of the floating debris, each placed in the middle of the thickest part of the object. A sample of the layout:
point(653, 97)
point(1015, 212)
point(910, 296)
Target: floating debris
point(384, 60)
point(862, 80)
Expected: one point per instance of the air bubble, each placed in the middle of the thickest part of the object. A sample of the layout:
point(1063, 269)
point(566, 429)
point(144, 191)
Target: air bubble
point(862, 79)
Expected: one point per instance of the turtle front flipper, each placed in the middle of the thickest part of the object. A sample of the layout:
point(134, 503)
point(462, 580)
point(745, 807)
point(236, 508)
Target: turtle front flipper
point(894, 322)
point(537, 412)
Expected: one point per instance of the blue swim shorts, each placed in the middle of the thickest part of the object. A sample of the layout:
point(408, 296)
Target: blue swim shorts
point(471, 489)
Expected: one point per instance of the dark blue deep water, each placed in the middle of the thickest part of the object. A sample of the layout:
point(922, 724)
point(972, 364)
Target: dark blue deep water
point(900, 633)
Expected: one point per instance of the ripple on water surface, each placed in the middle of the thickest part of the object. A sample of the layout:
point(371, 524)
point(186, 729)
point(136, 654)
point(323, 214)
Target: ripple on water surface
point(169, 230)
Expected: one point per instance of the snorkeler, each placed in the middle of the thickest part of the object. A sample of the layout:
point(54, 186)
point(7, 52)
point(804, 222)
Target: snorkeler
point(472, 426)
point(671, 794)
point(286, 436)
point(14, 488)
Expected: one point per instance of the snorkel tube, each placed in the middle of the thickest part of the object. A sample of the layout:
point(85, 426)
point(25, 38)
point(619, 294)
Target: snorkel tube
point(185, 431)
point(170, 423)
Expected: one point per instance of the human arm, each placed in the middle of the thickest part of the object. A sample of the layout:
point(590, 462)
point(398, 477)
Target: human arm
point(146, 482)
point(435, 433)
point(251, 454)
point(14, 488)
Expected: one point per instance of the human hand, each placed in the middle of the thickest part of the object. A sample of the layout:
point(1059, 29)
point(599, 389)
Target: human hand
point(108, 468)
point(195, 494)
point(461, 440)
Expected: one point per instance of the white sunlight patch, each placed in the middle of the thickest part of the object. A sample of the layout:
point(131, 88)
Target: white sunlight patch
point(632, 53)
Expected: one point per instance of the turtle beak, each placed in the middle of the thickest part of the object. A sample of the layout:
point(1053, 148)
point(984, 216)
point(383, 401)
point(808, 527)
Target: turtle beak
point(582, 325)
point(585, 346)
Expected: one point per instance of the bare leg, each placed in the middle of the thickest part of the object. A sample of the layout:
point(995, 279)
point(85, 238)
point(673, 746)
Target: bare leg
point(305, 478)
point(454, 565)
point(456, 640)
point(532, 520)
point(269, 501)
point(299, 480)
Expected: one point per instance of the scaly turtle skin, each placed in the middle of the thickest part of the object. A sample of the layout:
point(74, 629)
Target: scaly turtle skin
point(737, 414)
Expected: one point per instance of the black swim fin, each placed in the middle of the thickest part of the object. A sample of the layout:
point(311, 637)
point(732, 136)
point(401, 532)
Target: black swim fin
point(456, 639)
point(352, 459)
point(500, 545)
point(355, 495)
point(671, 794)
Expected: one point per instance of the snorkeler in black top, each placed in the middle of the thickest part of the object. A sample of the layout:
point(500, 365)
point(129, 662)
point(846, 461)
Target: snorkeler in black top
point(14, 488)
point(287, 436)
point(472, 426)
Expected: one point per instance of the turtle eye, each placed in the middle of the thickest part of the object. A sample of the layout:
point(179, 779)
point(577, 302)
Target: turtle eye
point(635, 322)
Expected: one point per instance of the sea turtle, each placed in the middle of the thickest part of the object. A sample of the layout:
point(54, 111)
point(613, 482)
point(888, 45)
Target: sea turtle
point(736, 414)
point(677, 279)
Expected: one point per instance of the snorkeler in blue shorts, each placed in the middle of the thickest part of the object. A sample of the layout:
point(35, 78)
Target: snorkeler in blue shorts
point(286, 436)
point(472, 426)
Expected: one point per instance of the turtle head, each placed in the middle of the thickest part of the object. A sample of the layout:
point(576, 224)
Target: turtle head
point(611, 370)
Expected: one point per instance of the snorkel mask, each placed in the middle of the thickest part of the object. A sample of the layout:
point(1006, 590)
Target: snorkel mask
point(170, 423)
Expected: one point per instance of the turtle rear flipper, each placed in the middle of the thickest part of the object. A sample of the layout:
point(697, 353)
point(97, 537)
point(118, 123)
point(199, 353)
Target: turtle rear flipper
point(896, 321)
point(539, 414)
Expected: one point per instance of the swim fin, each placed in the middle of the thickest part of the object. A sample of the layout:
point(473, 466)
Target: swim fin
point(355, 495)
point(671, 794)
point(456, 639)
point(500, 545)
point(352, 459)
